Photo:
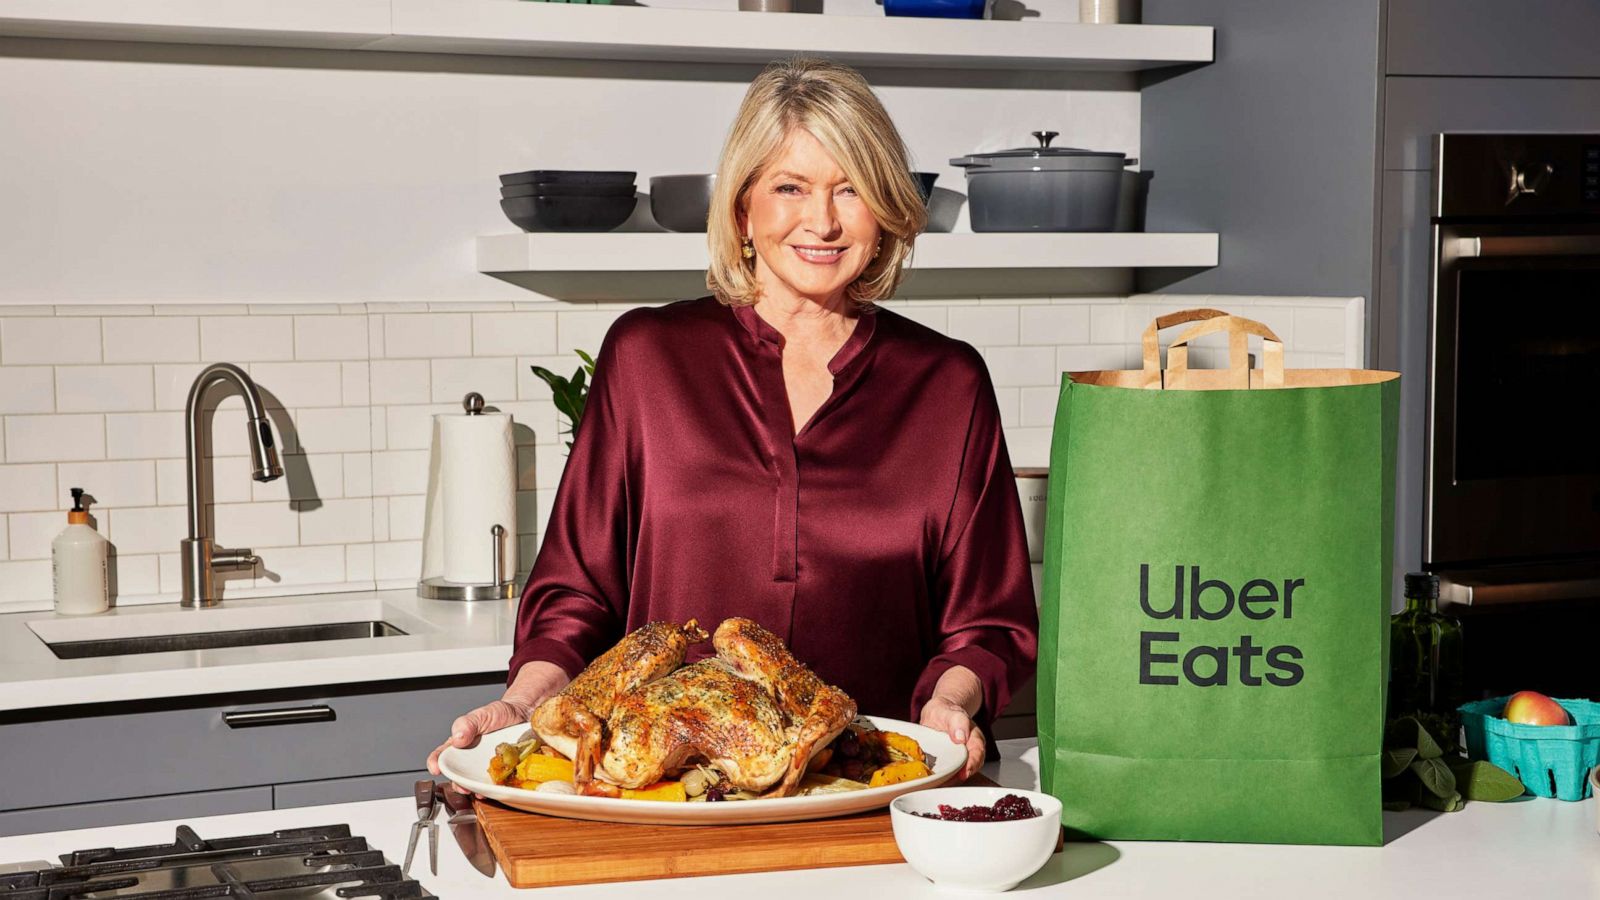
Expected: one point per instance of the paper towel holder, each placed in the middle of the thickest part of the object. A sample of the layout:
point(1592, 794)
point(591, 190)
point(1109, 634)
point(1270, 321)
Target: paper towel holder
point(438, 589)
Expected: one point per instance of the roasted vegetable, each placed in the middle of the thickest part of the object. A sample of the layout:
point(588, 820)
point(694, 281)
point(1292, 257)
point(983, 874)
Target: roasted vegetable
point(538, 767)
point(827, 784)
point(668, 791)
point(901, 748)
point(895, 773)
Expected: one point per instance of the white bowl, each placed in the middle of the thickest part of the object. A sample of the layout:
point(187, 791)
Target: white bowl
point(974, 856)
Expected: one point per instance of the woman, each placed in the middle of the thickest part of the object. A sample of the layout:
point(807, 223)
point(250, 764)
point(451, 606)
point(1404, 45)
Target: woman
point(784, 451)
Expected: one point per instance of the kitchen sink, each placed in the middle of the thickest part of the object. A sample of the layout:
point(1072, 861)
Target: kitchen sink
point(213, 640)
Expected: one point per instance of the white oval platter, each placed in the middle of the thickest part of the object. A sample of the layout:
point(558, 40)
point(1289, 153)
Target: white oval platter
point(469, 768)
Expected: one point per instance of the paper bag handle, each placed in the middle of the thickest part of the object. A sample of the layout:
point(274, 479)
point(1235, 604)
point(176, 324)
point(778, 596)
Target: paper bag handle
point(1238, 361)
point(1238, 330)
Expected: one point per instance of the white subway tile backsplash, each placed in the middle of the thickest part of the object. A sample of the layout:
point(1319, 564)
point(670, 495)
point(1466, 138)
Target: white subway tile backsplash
point(53, 438)
point(406, 517)
point(27, 580)
point(299, 385)
point(150, 529)
point(356, 386)
point(300, 565)
point(104, 388)
point(358, 474)
point(359, 385)
point(330, 337)
point(111, 484)
point(1108, 324)
point(335, 521)
point(1039, 406)
point(583, 330)
point(239, 339)
point(49, 341)
point(26, 488)
point(27, 389)
point(513, 334)
point(495, 379)
point(336, 430)
point(358, 564)
point(427, 335)
point(151, 435)
point(173, 382)
point(1021, 366)
point(318, 476)
point(31, 533)
point(256, 524)
point(1055, 324)
point(134, 575)
point(400, 381)
point(397, 472)
point(151, 339)
point(398, 562)
point(984, 326)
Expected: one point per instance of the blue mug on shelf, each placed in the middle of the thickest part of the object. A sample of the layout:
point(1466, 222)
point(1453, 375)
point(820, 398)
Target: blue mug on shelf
point(937, 9)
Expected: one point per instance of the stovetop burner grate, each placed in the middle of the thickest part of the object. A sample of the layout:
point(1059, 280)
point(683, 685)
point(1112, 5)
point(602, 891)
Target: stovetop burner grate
point(301, 863)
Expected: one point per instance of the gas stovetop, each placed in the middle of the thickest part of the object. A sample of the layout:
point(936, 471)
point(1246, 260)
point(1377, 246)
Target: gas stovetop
point(301, 862)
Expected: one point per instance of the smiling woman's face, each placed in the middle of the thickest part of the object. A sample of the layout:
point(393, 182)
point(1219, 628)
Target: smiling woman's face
point(813, 234)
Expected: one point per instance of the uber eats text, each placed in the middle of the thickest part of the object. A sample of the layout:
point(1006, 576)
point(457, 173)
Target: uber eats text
point(1163, 658)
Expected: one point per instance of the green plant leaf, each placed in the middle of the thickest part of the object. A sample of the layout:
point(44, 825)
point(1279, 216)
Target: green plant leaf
point(552, 379)
point(588, 361)
point(1396, 805)
point(1450, 803)
point(1483, 780)
point(1397, 759)
point(1435, 776)
point(1408, 732)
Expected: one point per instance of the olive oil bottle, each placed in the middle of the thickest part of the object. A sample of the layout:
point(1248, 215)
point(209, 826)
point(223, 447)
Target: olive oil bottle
point(1425, 656)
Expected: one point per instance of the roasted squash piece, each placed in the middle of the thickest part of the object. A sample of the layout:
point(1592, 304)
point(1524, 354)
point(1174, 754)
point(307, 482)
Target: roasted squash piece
point(668, 791)
point(894, 773)
point(901, 747)
point(538, 767)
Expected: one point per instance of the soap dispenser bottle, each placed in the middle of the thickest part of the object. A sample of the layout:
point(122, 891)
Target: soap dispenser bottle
point(78, 564)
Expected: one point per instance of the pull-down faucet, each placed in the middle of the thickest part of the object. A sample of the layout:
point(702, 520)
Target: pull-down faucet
point(201, 557)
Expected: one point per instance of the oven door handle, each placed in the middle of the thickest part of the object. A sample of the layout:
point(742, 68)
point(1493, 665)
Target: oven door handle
point(1529, 245)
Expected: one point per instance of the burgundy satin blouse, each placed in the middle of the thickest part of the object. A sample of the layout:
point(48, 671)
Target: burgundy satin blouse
point(883, 542)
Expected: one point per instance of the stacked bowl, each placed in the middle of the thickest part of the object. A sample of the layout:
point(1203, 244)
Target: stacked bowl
point(567, 199)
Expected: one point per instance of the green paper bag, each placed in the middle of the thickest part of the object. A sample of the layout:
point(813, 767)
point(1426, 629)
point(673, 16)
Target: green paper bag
point(1214, 626)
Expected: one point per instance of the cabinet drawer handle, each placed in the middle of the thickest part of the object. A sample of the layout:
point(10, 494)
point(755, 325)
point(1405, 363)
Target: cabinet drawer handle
point(254, 718)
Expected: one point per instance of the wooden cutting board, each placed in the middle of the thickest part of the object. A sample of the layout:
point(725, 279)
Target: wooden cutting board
point(544, 851)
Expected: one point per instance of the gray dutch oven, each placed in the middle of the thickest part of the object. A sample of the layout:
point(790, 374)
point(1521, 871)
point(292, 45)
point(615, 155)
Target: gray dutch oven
point(1043, 188)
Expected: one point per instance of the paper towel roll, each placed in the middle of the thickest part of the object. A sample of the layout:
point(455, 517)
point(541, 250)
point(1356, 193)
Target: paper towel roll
point(471, 488)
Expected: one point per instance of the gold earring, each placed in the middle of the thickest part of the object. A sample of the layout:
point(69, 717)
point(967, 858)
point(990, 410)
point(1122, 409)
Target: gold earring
point(878, 249)
point(748, 249)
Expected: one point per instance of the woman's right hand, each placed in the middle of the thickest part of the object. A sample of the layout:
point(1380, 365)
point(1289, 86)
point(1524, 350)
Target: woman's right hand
point(535, 681)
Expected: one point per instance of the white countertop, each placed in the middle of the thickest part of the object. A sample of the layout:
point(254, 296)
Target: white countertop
point(1543, 849)
point(442, 638)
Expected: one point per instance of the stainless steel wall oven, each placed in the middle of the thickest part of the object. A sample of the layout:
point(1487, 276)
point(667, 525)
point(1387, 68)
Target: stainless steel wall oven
point(1513, 465)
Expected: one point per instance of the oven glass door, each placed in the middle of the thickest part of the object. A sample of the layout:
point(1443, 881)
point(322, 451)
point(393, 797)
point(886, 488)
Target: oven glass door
point(1514, 466)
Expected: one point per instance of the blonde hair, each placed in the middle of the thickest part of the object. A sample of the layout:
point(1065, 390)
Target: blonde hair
point(833, 103)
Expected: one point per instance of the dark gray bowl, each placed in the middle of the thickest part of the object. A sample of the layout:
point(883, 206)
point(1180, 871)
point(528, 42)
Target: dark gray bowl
point(567, 176)
point(681, 202)
point(556, 189)
point(545, 213)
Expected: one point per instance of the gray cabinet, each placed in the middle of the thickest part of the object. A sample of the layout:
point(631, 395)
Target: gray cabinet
point(139, 809)
point(85, 761)
point(1548, 38)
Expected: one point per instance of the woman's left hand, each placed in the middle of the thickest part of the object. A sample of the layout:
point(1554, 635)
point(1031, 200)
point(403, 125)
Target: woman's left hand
point(948, 716)
point(957, 696)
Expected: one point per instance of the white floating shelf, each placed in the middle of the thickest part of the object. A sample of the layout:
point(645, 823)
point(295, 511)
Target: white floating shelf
point(646, 266)
point(583, 31)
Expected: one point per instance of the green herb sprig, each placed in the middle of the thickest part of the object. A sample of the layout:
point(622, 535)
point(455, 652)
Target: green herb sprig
point(570, 394)
point(1418, 772)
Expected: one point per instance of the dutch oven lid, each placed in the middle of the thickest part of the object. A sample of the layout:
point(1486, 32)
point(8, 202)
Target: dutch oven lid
point(1044, 157)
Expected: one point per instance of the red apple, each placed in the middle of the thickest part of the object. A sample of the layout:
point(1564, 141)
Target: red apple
point(1534, 708)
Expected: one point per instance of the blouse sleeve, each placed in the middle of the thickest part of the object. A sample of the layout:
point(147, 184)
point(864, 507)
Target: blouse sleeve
point(984, 616)
point(575, 603)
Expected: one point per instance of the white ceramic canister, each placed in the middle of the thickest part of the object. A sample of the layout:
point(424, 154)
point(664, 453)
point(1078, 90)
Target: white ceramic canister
point(1031, 489)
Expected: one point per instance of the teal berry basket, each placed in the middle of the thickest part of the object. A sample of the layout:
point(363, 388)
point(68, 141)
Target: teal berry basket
point(1551, 760)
